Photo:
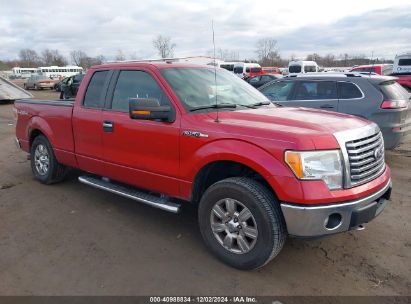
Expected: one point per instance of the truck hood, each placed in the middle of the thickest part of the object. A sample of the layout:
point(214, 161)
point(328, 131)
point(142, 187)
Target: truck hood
point(308, 128)
point(299, 120)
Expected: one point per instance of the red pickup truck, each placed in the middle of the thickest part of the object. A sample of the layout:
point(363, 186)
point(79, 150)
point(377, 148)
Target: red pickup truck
point(167, 134)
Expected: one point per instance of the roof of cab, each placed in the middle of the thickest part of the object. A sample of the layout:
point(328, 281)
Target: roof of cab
point(159, 65)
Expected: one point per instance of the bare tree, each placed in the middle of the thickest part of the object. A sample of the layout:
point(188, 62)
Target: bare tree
point(267, 51)
point(120, 56)
point(53, 57)
point(164, 46)
point(78, 57)
point(29, 58)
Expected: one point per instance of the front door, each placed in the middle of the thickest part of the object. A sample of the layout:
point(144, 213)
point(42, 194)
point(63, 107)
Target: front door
point(144, 153)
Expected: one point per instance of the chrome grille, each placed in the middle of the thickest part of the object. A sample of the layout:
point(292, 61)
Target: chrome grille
point(366, 158)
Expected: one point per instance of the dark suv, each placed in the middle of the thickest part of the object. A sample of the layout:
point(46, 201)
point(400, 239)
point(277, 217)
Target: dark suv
point(377, 98)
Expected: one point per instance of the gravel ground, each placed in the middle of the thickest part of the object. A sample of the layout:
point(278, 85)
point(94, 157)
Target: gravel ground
point(70, 239)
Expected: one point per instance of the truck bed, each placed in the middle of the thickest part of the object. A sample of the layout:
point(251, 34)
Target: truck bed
point(55, 116)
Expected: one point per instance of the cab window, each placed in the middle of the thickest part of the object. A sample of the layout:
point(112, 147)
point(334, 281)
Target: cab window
point(95, 94)
point(136, 84)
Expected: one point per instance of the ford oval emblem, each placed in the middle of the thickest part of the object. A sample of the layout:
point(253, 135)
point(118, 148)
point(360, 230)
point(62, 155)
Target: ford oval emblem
point(378, 153)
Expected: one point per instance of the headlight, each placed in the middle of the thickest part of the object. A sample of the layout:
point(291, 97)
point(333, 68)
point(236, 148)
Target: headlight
point(317, 165)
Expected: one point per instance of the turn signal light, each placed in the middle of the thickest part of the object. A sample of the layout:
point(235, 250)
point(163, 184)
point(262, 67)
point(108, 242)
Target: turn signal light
point(136, 112)
point(394, 104)
point(293, 159)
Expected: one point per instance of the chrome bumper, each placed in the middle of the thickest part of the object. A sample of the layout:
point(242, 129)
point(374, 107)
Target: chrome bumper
point(316, 221)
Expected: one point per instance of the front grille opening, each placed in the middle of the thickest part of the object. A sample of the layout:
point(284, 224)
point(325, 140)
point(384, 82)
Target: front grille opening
point(366, 158)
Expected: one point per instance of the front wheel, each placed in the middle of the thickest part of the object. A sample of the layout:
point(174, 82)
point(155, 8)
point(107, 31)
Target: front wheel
point(241, 223)
point(44, 164)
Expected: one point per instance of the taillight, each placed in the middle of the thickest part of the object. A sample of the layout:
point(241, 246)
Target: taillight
point(394, 104)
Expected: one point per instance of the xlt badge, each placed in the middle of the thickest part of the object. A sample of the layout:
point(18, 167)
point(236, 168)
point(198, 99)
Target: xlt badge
point(194, 134)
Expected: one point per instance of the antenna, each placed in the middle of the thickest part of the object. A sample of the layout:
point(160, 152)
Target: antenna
point(215, 73)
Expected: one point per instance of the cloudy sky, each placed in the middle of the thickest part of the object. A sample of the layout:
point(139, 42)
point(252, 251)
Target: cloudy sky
point(103, 27)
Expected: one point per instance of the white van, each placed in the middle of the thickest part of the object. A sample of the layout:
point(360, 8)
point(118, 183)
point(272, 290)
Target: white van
point(243, 69)
point(302, 66)
point(402, 64)
point(228, 65)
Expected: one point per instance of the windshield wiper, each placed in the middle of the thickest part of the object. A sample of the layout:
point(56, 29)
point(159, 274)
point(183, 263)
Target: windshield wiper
point(254, 105)
point(215, 106)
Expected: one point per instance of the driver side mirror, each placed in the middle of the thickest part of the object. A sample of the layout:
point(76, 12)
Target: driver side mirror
point(150, 109)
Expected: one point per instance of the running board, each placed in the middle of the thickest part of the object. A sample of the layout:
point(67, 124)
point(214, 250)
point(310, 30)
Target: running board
point(129, 192)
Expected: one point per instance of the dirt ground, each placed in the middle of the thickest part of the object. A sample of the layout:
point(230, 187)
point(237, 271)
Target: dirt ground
point(70, 239)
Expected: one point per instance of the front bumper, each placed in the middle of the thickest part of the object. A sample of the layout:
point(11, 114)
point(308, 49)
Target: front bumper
point(317, 221)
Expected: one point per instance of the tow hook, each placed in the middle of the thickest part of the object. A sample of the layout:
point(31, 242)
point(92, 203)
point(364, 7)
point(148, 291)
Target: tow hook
point(359, 227)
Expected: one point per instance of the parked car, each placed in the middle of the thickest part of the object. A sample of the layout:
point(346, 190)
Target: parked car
point(380, 69)
point(154, 133)
point(70, 86)
point(38, 82)
point(258, 81)
point(245, 70)
point(377, 98)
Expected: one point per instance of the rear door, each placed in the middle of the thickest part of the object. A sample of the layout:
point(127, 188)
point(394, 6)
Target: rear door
point(88, 124)
point(352, 99)
point(319, 94)
point(144, 153)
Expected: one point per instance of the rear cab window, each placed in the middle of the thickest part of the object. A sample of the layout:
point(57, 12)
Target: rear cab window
point(96, 93)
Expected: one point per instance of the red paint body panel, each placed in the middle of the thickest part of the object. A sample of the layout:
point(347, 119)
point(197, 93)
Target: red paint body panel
point(154, 155)
point(404, 80)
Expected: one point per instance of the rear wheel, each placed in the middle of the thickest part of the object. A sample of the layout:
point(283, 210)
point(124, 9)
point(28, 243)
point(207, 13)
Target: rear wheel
point(241, 223)
point(44, 164)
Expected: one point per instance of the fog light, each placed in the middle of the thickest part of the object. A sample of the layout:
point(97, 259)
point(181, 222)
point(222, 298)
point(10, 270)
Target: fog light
point(333, 221)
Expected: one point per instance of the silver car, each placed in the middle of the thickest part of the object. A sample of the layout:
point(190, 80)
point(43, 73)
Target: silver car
point(39, 82)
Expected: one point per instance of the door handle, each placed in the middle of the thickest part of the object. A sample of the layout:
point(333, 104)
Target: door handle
point(327, 106)
point(108, 126)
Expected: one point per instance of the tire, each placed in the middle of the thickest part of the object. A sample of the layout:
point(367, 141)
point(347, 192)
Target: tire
point(266, 223)
point(44, 164)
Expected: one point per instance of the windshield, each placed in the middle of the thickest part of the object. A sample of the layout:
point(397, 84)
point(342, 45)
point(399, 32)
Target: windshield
point(238, 69)
point(295, 69)
point(196, 87)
